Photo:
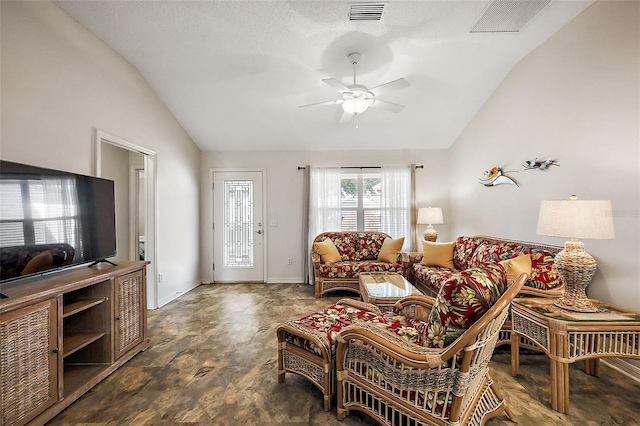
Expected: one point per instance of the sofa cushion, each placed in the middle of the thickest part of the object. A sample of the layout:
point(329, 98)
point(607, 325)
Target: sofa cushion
point(462, 300)
point(431, 277)
point(438, 254)
point(390, 250)
point(353, 269)
point(516, 266)
point(327, 251)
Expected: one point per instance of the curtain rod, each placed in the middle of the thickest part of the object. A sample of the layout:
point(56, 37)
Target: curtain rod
point(361, 167)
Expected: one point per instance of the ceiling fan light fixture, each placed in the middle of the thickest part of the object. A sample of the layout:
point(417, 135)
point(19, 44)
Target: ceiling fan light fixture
point(356, 105)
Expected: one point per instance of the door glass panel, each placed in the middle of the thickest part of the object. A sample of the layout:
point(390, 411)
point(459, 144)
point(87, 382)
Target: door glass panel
point(238, 224)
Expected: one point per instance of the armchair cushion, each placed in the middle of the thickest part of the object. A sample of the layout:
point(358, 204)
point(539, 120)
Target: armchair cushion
point(390, 250)
point(438, 254)
point(462, 300)
point(327, 251)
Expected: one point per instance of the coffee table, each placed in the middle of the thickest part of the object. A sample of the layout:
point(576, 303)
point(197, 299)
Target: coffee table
point(384, 289)
point(567, 336)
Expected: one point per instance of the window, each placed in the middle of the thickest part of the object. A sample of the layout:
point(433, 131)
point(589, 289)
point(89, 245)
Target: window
point(360, 197)
point(361, 200)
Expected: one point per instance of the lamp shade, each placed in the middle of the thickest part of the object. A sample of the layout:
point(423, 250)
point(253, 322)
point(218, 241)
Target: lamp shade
point(576, 219)
point(430, 216)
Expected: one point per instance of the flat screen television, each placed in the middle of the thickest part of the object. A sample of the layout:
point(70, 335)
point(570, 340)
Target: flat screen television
point(51, 219)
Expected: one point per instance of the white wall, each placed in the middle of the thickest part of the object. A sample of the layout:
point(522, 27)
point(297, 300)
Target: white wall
point(576, 99)
point(59, 84)
point(283, 197)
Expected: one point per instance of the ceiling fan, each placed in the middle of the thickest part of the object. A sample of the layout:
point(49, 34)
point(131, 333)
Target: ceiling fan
point(357, 98)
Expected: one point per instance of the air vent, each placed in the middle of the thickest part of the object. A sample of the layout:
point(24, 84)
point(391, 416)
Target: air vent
point(508, 16)
point(365, 11)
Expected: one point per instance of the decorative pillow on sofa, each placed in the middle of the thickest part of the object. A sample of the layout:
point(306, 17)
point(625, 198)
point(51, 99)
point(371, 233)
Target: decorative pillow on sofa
point(438, 254)
point(517, 266)
point(390, 250)
point(544, 274)
point(327, 251)
point(462, 300)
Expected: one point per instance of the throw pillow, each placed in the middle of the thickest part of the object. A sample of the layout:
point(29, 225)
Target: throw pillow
point(517, 266)
point(390, 250)
point(327, 251)
point(438, 254)
point(462, 300)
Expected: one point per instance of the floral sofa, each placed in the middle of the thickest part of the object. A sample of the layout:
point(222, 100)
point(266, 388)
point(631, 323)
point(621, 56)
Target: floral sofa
point(469, 252)
point(358, 252)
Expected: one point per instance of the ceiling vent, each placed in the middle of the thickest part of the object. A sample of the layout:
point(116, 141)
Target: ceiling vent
point(508, 16)
point(365, 11)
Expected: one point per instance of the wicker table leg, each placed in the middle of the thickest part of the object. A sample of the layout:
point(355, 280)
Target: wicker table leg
point(559, 355)
point(592, 366)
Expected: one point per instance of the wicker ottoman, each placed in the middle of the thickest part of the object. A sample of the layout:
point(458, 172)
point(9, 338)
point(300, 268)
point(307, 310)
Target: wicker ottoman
point(307, 346)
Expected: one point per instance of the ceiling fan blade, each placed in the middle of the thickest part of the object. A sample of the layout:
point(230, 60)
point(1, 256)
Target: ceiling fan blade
point(336, 102)
point(336, 85)
point(400, 83)
point(386, 105)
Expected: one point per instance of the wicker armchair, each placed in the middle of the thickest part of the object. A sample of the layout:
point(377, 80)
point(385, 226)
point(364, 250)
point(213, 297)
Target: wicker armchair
point(397, 382)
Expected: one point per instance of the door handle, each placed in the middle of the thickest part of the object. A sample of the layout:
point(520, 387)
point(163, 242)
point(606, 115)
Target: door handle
point(259, 231)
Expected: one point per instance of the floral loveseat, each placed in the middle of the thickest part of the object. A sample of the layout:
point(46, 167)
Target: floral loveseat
point(357, 252)
point(470, 252)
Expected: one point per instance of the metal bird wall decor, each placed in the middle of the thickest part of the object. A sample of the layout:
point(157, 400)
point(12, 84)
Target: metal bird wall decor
point(496, 176)
point(540, 165)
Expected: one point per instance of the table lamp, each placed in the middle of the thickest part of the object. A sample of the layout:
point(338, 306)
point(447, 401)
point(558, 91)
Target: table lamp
point(584, 219)
point(430, 216)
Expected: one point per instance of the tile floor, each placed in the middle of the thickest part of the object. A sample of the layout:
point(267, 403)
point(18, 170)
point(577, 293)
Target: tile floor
point(212, 361)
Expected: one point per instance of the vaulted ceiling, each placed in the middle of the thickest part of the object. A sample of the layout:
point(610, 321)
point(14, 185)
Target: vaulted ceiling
point(234, 73)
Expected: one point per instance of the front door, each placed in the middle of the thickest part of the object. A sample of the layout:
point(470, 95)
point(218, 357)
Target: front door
point(238, 229)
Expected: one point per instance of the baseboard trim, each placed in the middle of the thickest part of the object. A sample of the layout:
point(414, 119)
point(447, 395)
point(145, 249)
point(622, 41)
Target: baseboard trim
point(284, 281)
point(624, 367)
point(177, 294)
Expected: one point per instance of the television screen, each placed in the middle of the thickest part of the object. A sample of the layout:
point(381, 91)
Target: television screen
point(50, 219)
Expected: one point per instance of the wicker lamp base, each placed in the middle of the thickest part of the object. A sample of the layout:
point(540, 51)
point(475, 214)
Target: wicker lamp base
point(430, 234)
point(576, 268)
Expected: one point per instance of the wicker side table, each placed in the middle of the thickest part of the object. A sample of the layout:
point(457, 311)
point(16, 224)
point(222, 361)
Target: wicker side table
point(567, 337)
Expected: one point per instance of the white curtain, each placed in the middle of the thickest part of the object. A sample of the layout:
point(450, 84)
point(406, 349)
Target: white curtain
point(324, 204)
point(395, 203)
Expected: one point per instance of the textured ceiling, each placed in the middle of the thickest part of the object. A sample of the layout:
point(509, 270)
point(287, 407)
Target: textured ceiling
point(234, 72)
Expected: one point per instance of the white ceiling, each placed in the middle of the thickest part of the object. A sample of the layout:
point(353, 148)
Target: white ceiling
point(234, 72)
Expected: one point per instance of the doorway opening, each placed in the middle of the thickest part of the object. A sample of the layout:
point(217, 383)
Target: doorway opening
point(133, 168)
